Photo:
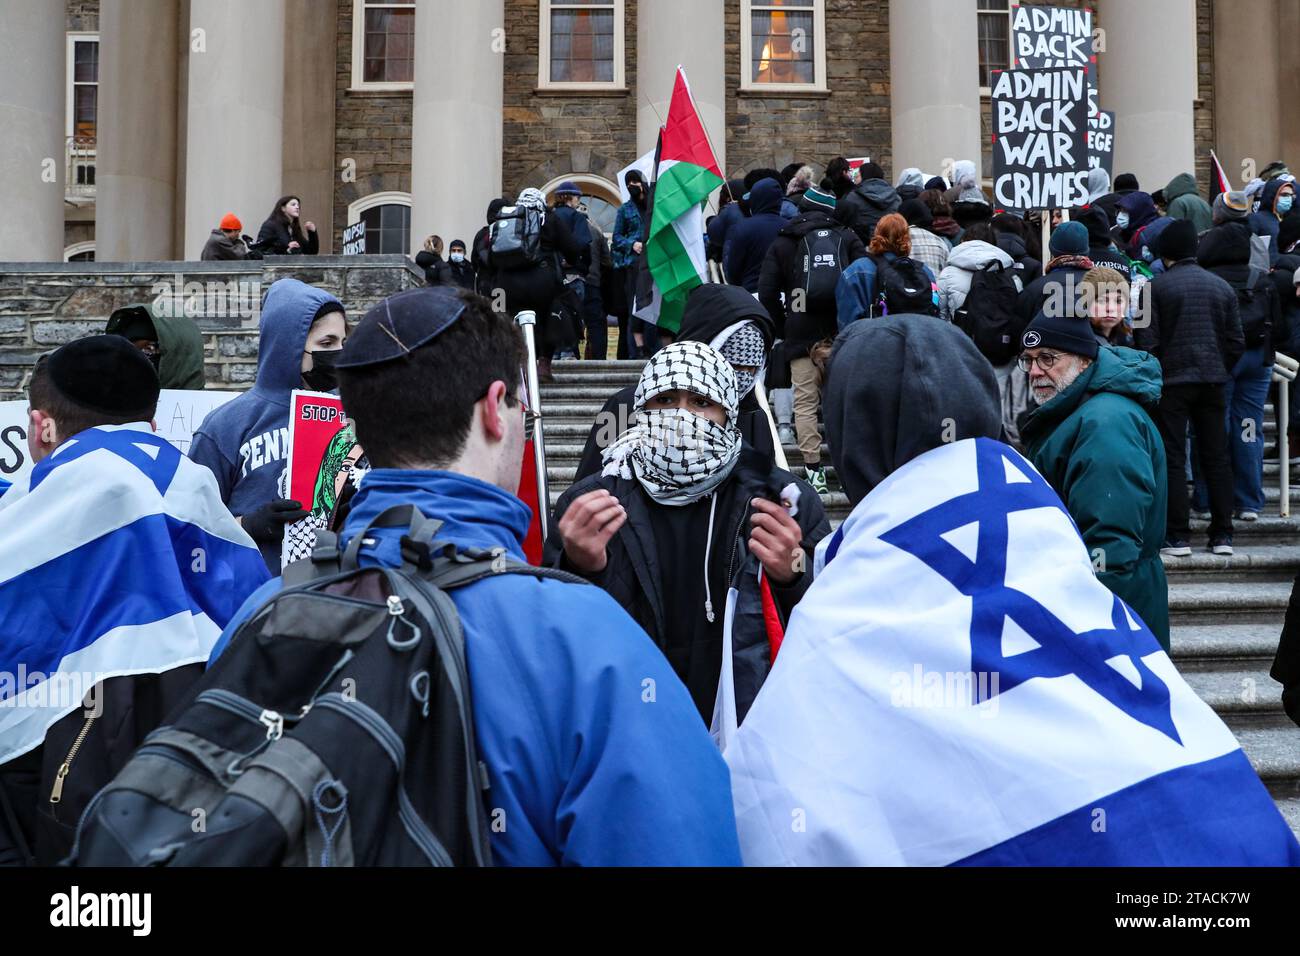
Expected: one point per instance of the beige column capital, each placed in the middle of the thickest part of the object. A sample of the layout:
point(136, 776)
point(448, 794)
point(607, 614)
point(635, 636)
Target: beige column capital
point(935, 87)
point(690, 34)
point(459, 90)
point(136, 207)
point(1149, 78)
point(32, 134)
point(235, 115)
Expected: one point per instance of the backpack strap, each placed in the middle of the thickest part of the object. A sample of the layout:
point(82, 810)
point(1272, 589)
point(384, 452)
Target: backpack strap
point(454, 567)
point(398, 516)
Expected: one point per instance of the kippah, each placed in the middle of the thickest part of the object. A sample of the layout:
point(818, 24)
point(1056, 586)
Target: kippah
point(104, 374)
point(400, 324)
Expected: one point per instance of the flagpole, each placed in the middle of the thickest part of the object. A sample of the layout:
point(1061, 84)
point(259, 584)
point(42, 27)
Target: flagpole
point(526, 320)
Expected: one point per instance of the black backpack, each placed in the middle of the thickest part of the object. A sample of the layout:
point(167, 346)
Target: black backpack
point(818, 267)
point(902, 288)
point(988, 315)
point(1256, 310)
point(335, 730)
point(515, 238)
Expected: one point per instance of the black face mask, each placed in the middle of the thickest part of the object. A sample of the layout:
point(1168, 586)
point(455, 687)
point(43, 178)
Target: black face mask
point(322, 376)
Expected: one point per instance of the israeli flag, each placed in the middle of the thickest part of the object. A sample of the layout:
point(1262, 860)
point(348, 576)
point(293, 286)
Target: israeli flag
point(117, 557)
point(958, 688)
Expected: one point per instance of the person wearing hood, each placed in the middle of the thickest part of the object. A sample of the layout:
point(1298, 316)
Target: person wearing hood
point(1182, 201)
point(1196, 362)
point(1136, 211)
point(480, 251)
point(173, 344)
point(729, 319)
point(910, 183)
point(803, 307)
point(1276, 201)
point(225, 243)
point(1125, 183)
point(625, 248)
point(683, 513)
point(964, 177)
point(245, 442)
point(1225, 251)
point(1101, 248)
point(1063, 281)
point(1013, 238)
point(1092, 437)
point(535, 286)
point(1098, 184)
point(748, 241)
point(971, 207)
point(585, 775)
point(941, 222)
point(732, 212)
point(969, 256)
point(929, 249)
point(868, 203)
point(1284, 278)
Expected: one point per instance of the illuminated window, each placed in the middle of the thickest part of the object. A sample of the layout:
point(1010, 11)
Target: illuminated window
point(581, 44)
point(995, 39)
point(783, 44)
point(383, 45)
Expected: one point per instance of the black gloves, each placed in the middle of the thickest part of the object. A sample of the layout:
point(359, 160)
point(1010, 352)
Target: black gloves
point(266, 524)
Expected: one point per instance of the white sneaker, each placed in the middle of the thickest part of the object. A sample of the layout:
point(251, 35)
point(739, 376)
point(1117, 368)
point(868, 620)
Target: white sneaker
point(1247, 516)
point(787, 434)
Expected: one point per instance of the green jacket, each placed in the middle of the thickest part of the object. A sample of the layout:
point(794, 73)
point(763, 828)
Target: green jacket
point(1182, 201)
point(1097, 446)
point(179, 341)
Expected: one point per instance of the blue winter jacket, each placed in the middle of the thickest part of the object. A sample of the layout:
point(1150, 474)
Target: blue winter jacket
point(595, 751)
point(1264, 220)
point(245, 442)
point(747, 241)
point(627, 231)
point(855, 293)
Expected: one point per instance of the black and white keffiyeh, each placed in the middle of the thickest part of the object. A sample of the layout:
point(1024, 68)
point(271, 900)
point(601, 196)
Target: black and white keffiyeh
point(676, 455)
point(532, 199)
point(743, 345)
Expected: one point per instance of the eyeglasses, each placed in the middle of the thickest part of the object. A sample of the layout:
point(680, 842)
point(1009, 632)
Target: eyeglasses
point(1045, 360)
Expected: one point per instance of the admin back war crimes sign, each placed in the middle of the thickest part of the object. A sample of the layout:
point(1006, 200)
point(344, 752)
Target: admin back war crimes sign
point(1040, 146)
point(1046, 37)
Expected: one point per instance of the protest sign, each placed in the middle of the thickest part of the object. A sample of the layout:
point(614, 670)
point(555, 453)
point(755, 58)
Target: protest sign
point(179, 413)
point(856, 163)
point(1040, 124)
point(323, 457)
point(354, 239)
point(1049, 37)
point(1101, 132)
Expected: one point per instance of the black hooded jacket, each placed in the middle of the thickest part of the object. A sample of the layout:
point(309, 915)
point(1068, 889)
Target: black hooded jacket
point(1225, 251)
point(898, 387)
point(660, 589)
point(866, 205)
point(782, 271)
point(711, 309)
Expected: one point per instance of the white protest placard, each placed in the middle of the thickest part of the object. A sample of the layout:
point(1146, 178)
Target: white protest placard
point(1040, 126)
point(179, 413)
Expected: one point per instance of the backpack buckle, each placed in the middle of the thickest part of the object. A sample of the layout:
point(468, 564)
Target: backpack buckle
point(416, 553)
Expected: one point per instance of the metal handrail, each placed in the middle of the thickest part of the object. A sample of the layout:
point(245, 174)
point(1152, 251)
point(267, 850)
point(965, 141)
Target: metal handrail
point(1285, 369)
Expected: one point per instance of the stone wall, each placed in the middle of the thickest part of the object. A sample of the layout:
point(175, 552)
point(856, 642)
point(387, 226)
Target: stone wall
point(1203, 116)
point(43, 305)
point(549, 133)
point(852, 119)
point(372, 128)
point(82, 15)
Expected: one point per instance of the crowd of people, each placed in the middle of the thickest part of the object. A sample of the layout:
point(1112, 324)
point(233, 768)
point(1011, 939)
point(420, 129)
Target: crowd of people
point(922, 342)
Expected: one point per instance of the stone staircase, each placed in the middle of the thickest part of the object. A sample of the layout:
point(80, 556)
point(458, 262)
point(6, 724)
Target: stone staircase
point(1226, 612)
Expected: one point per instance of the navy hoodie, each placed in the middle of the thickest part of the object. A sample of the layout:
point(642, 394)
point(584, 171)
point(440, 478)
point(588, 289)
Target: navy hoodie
point(748, 240)
point(245, 442)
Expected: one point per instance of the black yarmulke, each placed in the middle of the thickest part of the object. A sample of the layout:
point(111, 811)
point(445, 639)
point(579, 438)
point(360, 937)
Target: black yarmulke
point(399, 325)
point(104, 374)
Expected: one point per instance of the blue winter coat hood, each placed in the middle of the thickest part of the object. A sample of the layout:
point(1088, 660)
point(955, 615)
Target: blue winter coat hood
point(766, 196)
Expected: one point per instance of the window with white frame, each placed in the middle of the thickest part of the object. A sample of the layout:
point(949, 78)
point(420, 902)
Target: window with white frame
point(994, 27)
point(387, 216)
point(82, 112)
point(79, 252)
point(783, 44)
point(581, 44)
point(383, 45)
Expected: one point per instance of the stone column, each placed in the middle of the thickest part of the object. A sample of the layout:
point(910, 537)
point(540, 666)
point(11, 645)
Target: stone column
point(1148, 77)
point(935, 84)
point(33, 165)
point(456, 117)
point(310, 49)
point(690, 34)
point(139, 42)
point(235, 115)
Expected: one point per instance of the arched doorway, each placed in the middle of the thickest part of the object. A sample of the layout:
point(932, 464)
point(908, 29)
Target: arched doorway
point(600, 198)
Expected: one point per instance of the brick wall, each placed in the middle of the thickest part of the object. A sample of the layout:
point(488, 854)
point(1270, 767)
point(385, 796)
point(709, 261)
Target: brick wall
point(851, 120)
point(43, 305)
point(372, 128)
point(1203, 116)
point(550, 133)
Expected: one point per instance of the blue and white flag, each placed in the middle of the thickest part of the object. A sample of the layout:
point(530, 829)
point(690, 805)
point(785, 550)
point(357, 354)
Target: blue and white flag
point(117, 557)
point(956, 687)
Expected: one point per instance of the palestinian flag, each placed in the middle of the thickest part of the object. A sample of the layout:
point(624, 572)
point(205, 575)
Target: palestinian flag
point(686, 173)
point(1218, 178)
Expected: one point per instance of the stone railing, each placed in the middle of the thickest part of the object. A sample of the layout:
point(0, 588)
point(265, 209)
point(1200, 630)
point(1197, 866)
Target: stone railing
point(45, 304)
